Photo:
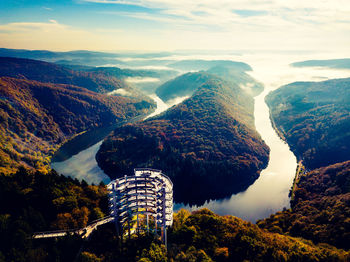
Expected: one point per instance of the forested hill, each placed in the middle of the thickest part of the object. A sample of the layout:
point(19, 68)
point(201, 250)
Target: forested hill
point(52, 73)
point(36, 117)
point(314, 119)
point(207, 144)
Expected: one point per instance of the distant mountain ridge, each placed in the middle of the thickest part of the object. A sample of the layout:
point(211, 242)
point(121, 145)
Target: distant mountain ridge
point(82, 57)
point(52, 73)
point(200, 64)
point(330, 63)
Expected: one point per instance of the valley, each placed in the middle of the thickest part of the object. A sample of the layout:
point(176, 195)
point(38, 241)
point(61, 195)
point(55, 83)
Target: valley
point(174, 131)
point(209, 125)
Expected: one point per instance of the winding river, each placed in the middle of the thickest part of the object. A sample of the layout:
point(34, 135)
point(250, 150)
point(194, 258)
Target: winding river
point(268, 194)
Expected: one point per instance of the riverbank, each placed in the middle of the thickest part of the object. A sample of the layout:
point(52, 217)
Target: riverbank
point(299, 172)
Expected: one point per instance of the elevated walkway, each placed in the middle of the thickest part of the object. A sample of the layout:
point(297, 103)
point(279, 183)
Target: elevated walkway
point(83, 232)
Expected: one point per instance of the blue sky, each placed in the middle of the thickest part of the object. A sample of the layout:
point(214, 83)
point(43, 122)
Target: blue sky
point(175, 24)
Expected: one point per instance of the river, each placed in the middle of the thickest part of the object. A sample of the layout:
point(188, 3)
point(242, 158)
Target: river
point(269, 193)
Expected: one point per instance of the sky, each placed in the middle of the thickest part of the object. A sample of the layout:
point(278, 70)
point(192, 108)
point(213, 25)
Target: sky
point(168, 25)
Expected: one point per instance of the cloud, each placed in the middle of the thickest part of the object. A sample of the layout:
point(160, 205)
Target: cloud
point(225, 12)
point(247, 13)
point(30, 26)
point(193, 24)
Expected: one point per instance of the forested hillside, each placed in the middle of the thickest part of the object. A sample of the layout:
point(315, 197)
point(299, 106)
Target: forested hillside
point(320, 208)
point(38, 202)
point(50, 202)
point(314, 119)
point(37, 117)
point(205, 236)
point(207, 144)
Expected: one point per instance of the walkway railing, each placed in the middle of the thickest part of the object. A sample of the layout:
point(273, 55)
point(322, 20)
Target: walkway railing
point(83, 232)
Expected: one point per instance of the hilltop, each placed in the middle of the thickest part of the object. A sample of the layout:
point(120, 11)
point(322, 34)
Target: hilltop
point(237, 76)
point(207, 144)
point(183, 85)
